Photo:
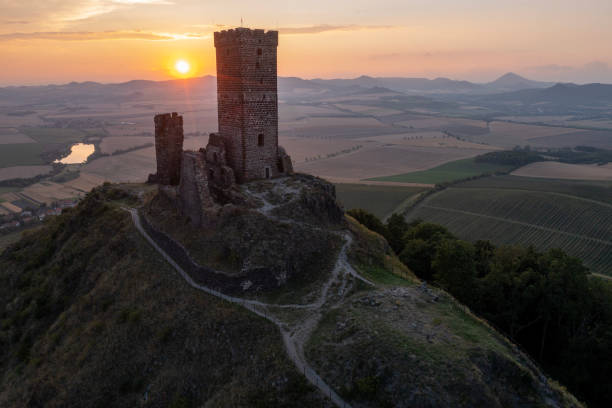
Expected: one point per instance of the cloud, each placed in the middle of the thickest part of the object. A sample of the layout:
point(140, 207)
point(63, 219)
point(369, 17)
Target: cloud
point(92, 8)
point(14, 22)
point(322, 28)
point(101, 35)
point(50, 12)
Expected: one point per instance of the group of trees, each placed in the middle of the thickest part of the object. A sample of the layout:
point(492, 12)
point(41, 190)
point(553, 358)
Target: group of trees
point(583, 155)
point(544, 301)
point(517, 157)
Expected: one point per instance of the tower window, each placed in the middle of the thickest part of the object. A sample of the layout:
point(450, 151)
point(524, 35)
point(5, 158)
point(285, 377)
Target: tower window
point(260, 139)
point(257, 64)
point(259, 51)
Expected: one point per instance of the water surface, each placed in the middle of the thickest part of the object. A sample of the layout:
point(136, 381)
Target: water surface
point(78, 154)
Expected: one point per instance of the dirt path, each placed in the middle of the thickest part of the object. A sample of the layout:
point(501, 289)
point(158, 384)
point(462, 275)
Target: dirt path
point(295, 335)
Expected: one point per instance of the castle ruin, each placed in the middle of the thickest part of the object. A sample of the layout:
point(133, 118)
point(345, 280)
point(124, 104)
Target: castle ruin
point(246, 146)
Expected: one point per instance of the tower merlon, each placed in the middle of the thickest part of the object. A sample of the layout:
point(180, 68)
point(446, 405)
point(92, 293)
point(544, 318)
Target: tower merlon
point(238, 36)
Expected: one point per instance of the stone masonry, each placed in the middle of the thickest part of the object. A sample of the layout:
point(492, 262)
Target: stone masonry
point(248, 101)
point(246, 147)
point(168, 148)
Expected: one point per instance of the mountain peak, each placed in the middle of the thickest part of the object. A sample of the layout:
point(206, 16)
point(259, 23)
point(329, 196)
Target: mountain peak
point(509, 78)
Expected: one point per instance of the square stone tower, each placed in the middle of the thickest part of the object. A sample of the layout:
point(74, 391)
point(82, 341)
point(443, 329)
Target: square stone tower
point(248, 101)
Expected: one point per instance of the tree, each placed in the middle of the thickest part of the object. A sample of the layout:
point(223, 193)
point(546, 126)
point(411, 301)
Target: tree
point(369, 220)
point(454, 268)
point(397, 228)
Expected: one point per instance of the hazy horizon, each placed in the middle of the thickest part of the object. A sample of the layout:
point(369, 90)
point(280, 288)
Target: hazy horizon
point(121, 40)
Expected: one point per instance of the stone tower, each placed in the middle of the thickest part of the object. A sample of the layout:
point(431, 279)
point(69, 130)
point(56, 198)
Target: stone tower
point(168, 148)
point(248, 102)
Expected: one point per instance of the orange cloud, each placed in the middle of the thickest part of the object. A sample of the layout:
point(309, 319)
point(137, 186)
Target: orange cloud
point(101, 35)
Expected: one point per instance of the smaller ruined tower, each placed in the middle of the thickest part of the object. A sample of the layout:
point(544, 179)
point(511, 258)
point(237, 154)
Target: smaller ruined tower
point(168, 148)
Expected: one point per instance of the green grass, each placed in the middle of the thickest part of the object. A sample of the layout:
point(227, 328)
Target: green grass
point(383, 276)
point(455, 170)
point(379, 200)
point(545, 219)
point(53, 135)
point(23, 154)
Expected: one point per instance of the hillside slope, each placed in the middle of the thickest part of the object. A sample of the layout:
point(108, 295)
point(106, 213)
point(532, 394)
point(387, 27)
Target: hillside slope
point(93, 316)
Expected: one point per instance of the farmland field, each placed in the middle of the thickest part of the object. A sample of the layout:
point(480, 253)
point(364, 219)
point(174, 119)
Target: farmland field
point(455, 170)
point(53, 135)
point(379, 200)
point(12, 136)
point(111, 144)
point(381, 160)
point(23, 154)
point(8, 173)
point(567, 171)
point(505, 212)
point(600, 191)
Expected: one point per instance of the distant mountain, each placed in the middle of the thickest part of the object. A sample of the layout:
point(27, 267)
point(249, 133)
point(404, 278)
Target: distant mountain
point(90, 92)
point(562, 94)
point(506, 83)
point(513, 82)
point(407, 85)
point(203, 88)
point(293, 89)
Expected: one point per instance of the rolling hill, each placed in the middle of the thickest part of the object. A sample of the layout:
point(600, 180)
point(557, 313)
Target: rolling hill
point(98, 311)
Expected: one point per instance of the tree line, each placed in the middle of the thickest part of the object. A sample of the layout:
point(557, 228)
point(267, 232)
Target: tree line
point(545, 301)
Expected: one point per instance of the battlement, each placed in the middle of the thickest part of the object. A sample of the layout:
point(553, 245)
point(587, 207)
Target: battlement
point(168, 118)
point(239, 36)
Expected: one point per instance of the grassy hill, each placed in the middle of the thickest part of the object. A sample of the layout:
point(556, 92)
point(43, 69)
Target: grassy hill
point(573, 216)
point(91, 315)
point(381, 201)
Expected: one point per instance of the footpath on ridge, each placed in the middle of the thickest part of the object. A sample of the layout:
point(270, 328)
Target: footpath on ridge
point(295, 334)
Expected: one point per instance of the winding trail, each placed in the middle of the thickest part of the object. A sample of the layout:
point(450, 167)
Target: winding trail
point(294, 338)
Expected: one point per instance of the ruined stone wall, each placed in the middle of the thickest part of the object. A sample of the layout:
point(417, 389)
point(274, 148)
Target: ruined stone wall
point(194, 193)
point(248, 101)
point(168, 148)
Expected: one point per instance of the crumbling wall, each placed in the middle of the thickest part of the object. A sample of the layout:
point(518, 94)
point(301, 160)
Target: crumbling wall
point(193, 192)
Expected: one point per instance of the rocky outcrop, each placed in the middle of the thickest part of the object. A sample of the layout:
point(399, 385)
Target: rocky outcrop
point(271, 233)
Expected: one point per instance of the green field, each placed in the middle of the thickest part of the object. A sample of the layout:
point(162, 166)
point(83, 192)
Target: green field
point(23, 154)
point(455, 170)
point(379, 200)
point(48, 140)
point(53, 135)
point(527, 215)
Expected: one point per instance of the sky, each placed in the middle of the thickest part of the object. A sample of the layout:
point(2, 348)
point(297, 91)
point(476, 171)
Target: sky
point(59, 41)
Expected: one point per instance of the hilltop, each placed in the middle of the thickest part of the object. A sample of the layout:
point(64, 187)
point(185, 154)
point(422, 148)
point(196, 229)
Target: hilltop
point(92, 314)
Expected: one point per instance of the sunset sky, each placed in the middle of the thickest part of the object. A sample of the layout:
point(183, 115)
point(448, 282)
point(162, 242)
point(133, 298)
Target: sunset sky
point(57, 41)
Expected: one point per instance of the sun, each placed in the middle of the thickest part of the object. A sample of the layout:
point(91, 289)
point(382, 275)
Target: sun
point(182, 67)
